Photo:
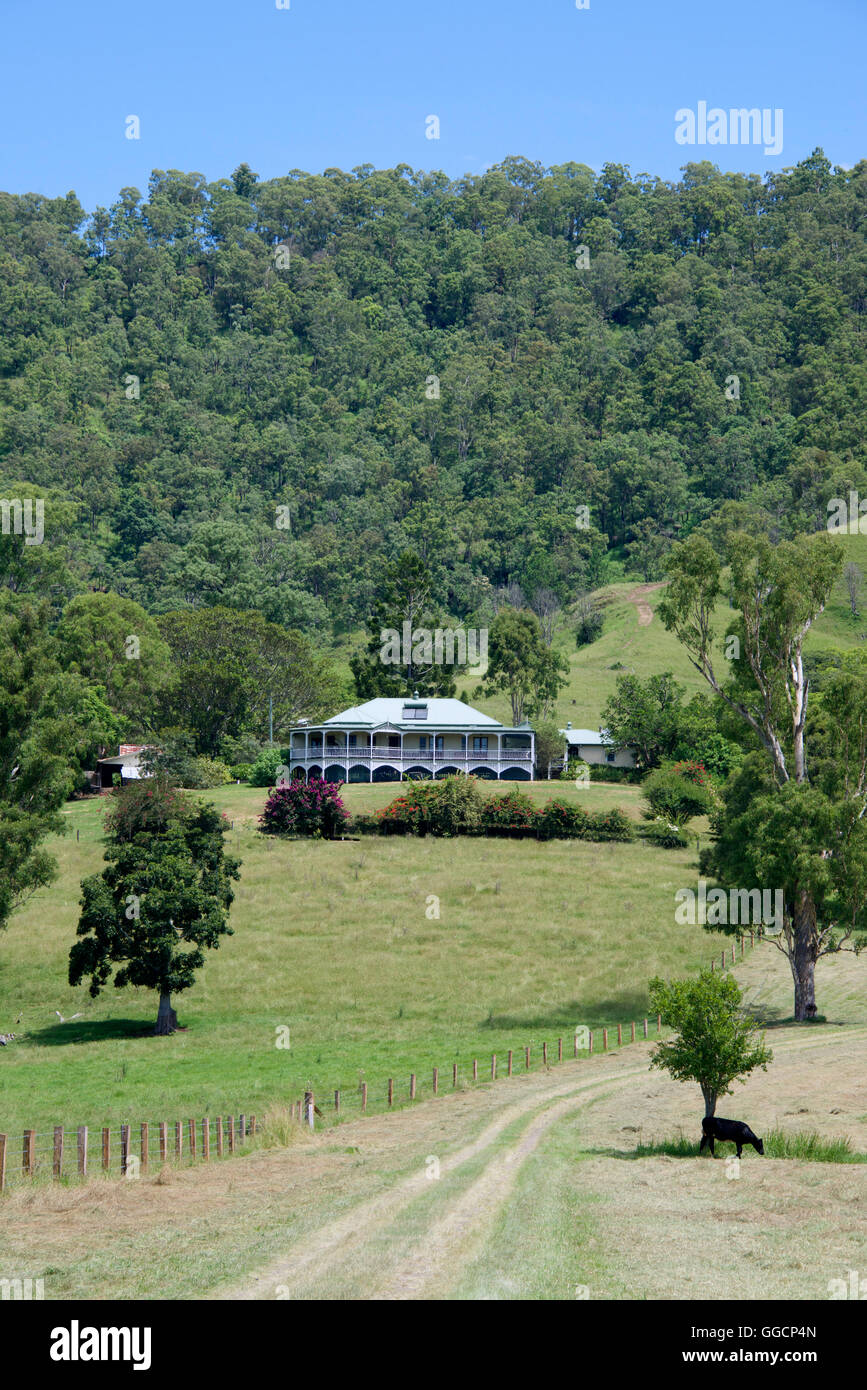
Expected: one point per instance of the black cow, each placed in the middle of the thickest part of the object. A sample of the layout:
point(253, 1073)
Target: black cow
point(731, 1131)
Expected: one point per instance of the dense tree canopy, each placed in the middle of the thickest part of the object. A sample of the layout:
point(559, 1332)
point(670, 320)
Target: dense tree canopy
point(258, 394)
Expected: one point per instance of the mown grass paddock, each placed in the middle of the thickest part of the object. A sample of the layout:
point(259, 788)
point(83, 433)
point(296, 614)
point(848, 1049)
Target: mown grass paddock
point(333, 942)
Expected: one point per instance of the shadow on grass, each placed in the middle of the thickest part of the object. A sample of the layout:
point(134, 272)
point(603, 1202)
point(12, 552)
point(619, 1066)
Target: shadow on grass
point(109, 1030)
point(626, 1007)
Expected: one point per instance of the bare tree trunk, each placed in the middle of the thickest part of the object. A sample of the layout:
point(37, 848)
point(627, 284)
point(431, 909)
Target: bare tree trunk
point(710, 1099)
point(804, 956)
point(167, 1019)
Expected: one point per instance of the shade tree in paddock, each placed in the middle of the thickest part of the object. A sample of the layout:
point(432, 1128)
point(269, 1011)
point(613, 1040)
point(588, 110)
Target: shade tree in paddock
point(787, 822)
point(162, 900)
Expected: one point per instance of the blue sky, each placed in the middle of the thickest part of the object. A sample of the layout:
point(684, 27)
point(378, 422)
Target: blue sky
point(346, 82)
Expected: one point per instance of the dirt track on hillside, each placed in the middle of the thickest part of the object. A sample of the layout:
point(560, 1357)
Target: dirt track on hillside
point(645, 612)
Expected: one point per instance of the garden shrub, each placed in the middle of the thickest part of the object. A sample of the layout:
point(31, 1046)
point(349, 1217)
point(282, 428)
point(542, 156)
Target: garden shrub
point(560, 821)
point(665, 834)
point(211, 772)
point(449, 806)
point(675, 796)
point(515, 810)
point(264, 769)
point(312, 808)
point(609, 825)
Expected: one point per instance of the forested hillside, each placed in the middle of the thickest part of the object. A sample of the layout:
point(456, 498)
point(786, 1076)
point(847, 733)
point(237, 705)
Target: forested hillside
point(258, 393)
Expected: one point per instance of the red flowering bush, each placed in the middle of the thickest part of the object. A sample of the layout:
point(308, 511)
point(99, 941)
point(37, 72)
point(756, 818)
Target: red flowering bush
point(449, 806)
point(692, 771)
point(515, 810)
point(305, 808)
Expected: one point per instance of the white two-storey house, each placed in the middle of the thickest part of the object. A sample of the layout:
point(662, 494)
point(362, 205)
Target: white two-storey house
point(385, 740)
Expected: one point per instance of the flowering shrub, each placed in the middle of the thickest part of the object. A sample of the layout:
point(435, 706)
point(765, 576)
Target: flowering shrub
point(144, 804)
point(560, 821)
point(692, 771)
point(454, 806)
point(305, 808)
point(665, 834)
point(675, 797)
point(515, 810)
point(609, 825)
point(449, 806)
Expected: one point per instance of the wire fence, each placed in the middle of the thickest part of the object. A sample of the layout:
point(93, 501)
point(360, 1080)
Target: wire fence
point(130, 1151)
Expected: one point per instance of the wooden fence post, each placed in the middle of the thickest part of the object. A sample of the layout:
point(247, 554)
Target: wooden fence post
point(58, 1151)
point(510, 1062)
point(145, 1146)
point(2, 1161)
point(475, 1068)
point(658, 1022)
point(390, 1091)
point(454, 1073)
point(364, 1095)
point(253, 1124)
point(206, 1140)
point(179, 1140)
point(559, 1049)
point(645, 1027)
point(28, 1155)
point(733, 955)
point(526, 1059)
point(124, 1149)
point(106, 1150)
point(544, 1054)
point(82, 1150)
point(632, 1034)
point(412, 1085)
point(752, 940)
point(231, 1134)
point(242, 1126)
point(191, 1131)
point(722, 960)
point(164, 1141)
point(436, 1078)
point(713, 965)
point(742, 948)
point(604, 1039)
point(219, 1136)
point(620, 1035)
point(493, 1066)
point(309, 1108)
point(337, 1102)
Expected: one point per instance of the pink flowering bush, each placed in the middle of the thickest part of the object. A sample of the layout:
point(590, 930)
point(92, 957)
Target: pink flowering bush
point(312, 808)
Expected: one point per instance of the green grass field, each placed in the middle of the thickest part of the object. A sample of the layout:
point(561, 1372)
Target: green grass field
point(333, 942)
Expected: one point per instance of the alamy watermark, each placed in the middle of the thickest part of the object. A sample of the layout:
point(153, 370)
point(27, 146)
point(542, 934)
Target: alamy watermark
point(848, 515)
point(17, 515)
point(739, 126)
point(438, 647)
point(739, 907)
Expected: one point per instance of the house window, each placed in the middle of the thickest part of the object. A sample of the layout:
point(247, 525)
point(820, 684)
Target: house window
point(480, 743)
point(609, 757)
point(352, 738)
point(394, 740)
point(422, 742)
point(415, 712)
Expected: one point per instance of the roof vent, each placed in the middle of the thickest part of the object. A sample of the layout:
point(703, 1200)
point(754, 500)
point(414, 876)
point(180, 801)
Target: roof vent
point(569, 724)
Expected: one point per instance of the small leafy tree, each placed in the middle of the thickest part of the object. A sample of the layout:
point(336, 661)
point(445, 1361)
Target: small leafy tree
point(716, 1043)
point(162, 901)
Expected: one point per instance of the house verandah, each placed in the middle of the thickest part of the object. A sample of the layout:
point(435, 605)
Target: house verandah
point(386, 740)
